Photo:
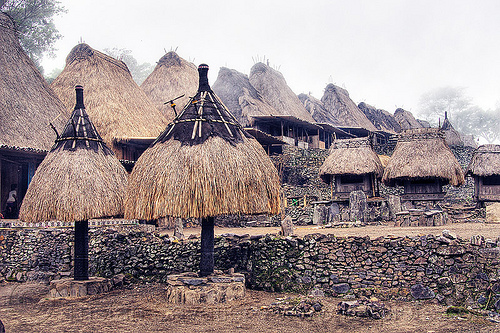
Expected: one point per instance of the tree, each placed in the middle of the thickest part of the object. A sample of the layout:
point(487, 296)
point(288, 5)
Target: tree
point(465, 117)
point(139, 71)
point(34, 21)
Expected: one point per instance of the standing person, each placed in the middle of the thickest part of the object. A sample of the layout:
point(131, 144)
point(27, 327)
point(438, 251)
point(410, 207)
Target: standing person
point(11, 209)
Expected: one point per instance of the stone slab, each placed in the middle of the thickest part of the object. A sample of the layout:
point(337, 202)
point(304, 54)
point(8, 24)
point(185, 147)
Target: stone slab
point(68, 287)
point(209, 290)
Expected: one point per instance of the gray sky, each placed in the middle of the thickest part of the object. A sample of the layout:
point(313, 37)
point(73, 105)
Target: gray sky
point(385, 53)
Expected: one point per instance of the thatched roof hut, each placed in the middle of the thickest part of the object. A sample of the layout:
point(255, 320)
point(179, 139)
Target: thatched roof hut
point(204, 164)
point(317, 110)
point(484, 167)
point(353, 165)
point(172, 77)
point(451, 135)
point(338, 103)
point(381, 119)
point(406, 119)
point(272, 86)
point(27, 103)
point(236, 92)
point(117, 106)
point(422, 157)
point(79, 179)
point(485, 161)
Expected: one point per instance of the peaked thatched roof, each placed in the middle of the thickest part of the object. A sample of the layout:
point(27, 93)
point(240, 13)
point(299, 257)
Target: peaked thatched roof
point(272, 86)
point(204, 164)
point(451, 135)
point(337, 101)
point(423, 154)
point(406, 120)
point(171, 78)
point(317, 110)
point(116, 104)
point(79, 179)
point(235, 90)
point(485, 161)
point(381, 119)
point(351, 157)
point(27, 104)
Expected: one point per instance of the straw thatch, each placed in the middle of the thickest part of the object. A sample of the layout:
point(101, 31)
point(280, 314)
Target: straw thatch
point(381, 119)
point(337, 102)
point(272, 86)
point(172, 77)
point(351, 157)
point(486, 161)
point(116, 104)
point(406, 120)
point(451, 135)
point(27, 104)
point(236, 92)
point(317, 110)
point(79, 179)
point(204, 164)
point(423, 154)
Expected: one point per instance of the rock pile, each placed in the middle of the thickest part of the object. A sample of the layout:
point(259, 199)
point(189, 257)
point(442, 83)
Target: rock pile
point(366, 308)
point(295, 306)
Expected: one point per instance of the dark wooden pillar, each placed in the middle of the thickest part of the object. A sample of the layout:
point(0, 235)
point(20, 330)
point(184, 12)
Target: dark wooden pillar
point(81, 268)
point(207, 246)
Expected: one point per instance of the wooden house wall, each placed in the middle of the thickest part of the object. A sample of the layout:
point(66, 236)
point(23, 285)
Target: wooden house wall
point(344, 185)
point(424, 189)
point(487, 188)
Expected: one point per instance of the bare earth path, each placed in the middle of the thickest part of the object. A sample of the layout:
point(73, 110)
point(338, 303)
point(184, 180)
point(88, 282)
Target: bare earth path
point(143, 309)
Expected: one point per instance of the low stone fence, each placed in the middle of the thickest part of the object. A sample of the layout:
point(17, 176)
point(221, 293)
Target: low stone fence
point(450, 269)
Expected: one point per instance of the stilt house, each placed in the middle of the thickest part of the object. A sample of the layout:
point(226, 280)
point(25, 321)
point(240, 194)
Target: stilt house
point(423, 164)
point(485, 169)
point(351, 166)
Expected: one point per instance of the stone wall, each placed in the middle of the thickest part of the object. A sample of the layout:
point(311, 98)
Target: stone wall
point(453, 270)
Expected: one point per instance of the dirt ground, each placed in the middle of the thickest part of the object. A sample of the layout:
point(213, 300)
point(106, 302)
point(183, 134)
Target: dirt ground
point(142, 308)
point(464, 230)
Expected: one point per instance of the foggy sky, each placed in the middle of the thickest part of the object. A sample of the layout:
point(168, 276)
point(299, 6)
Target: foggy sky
point(385, 53)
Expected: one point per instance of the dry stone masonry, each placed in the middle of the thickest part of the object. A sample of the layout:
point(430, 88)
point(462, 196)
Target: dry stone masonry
point(443, 267)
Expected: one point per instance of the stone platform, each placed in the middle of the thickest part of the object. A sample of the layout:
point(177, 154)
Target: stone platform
point(189, 288)
point(69, 287)
point(421, 218)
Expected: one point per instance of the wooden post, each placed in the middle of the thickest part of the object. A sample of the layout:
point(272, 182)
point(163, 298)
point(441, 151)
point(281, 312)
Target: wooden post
point(207, 246)
point(81, 268)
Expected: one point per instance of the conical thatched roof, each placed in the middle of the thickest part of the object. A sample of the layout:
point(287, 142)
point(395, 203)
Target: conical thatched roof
point(451, 135)
point(317, 110)
point(204, 164)
point(116, 104)
point(272, 86)
point(236, 92)
point(337, 101)
point(79, 179)
point(485, 161)
point(406, 120)
point(381, 119)
point(27, 104)
point(423, 154)
point(171, 78)
point(351, 157)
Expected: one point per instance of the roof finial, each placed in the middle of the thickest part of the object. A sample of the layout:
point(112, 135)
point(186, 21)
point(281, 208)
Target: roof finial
point(203, 72)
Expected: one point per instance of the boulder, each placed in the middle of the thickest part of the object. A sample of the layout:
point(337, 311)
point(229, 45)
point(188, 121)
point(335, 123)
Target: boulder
point(419, 291)
point(287, 227)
